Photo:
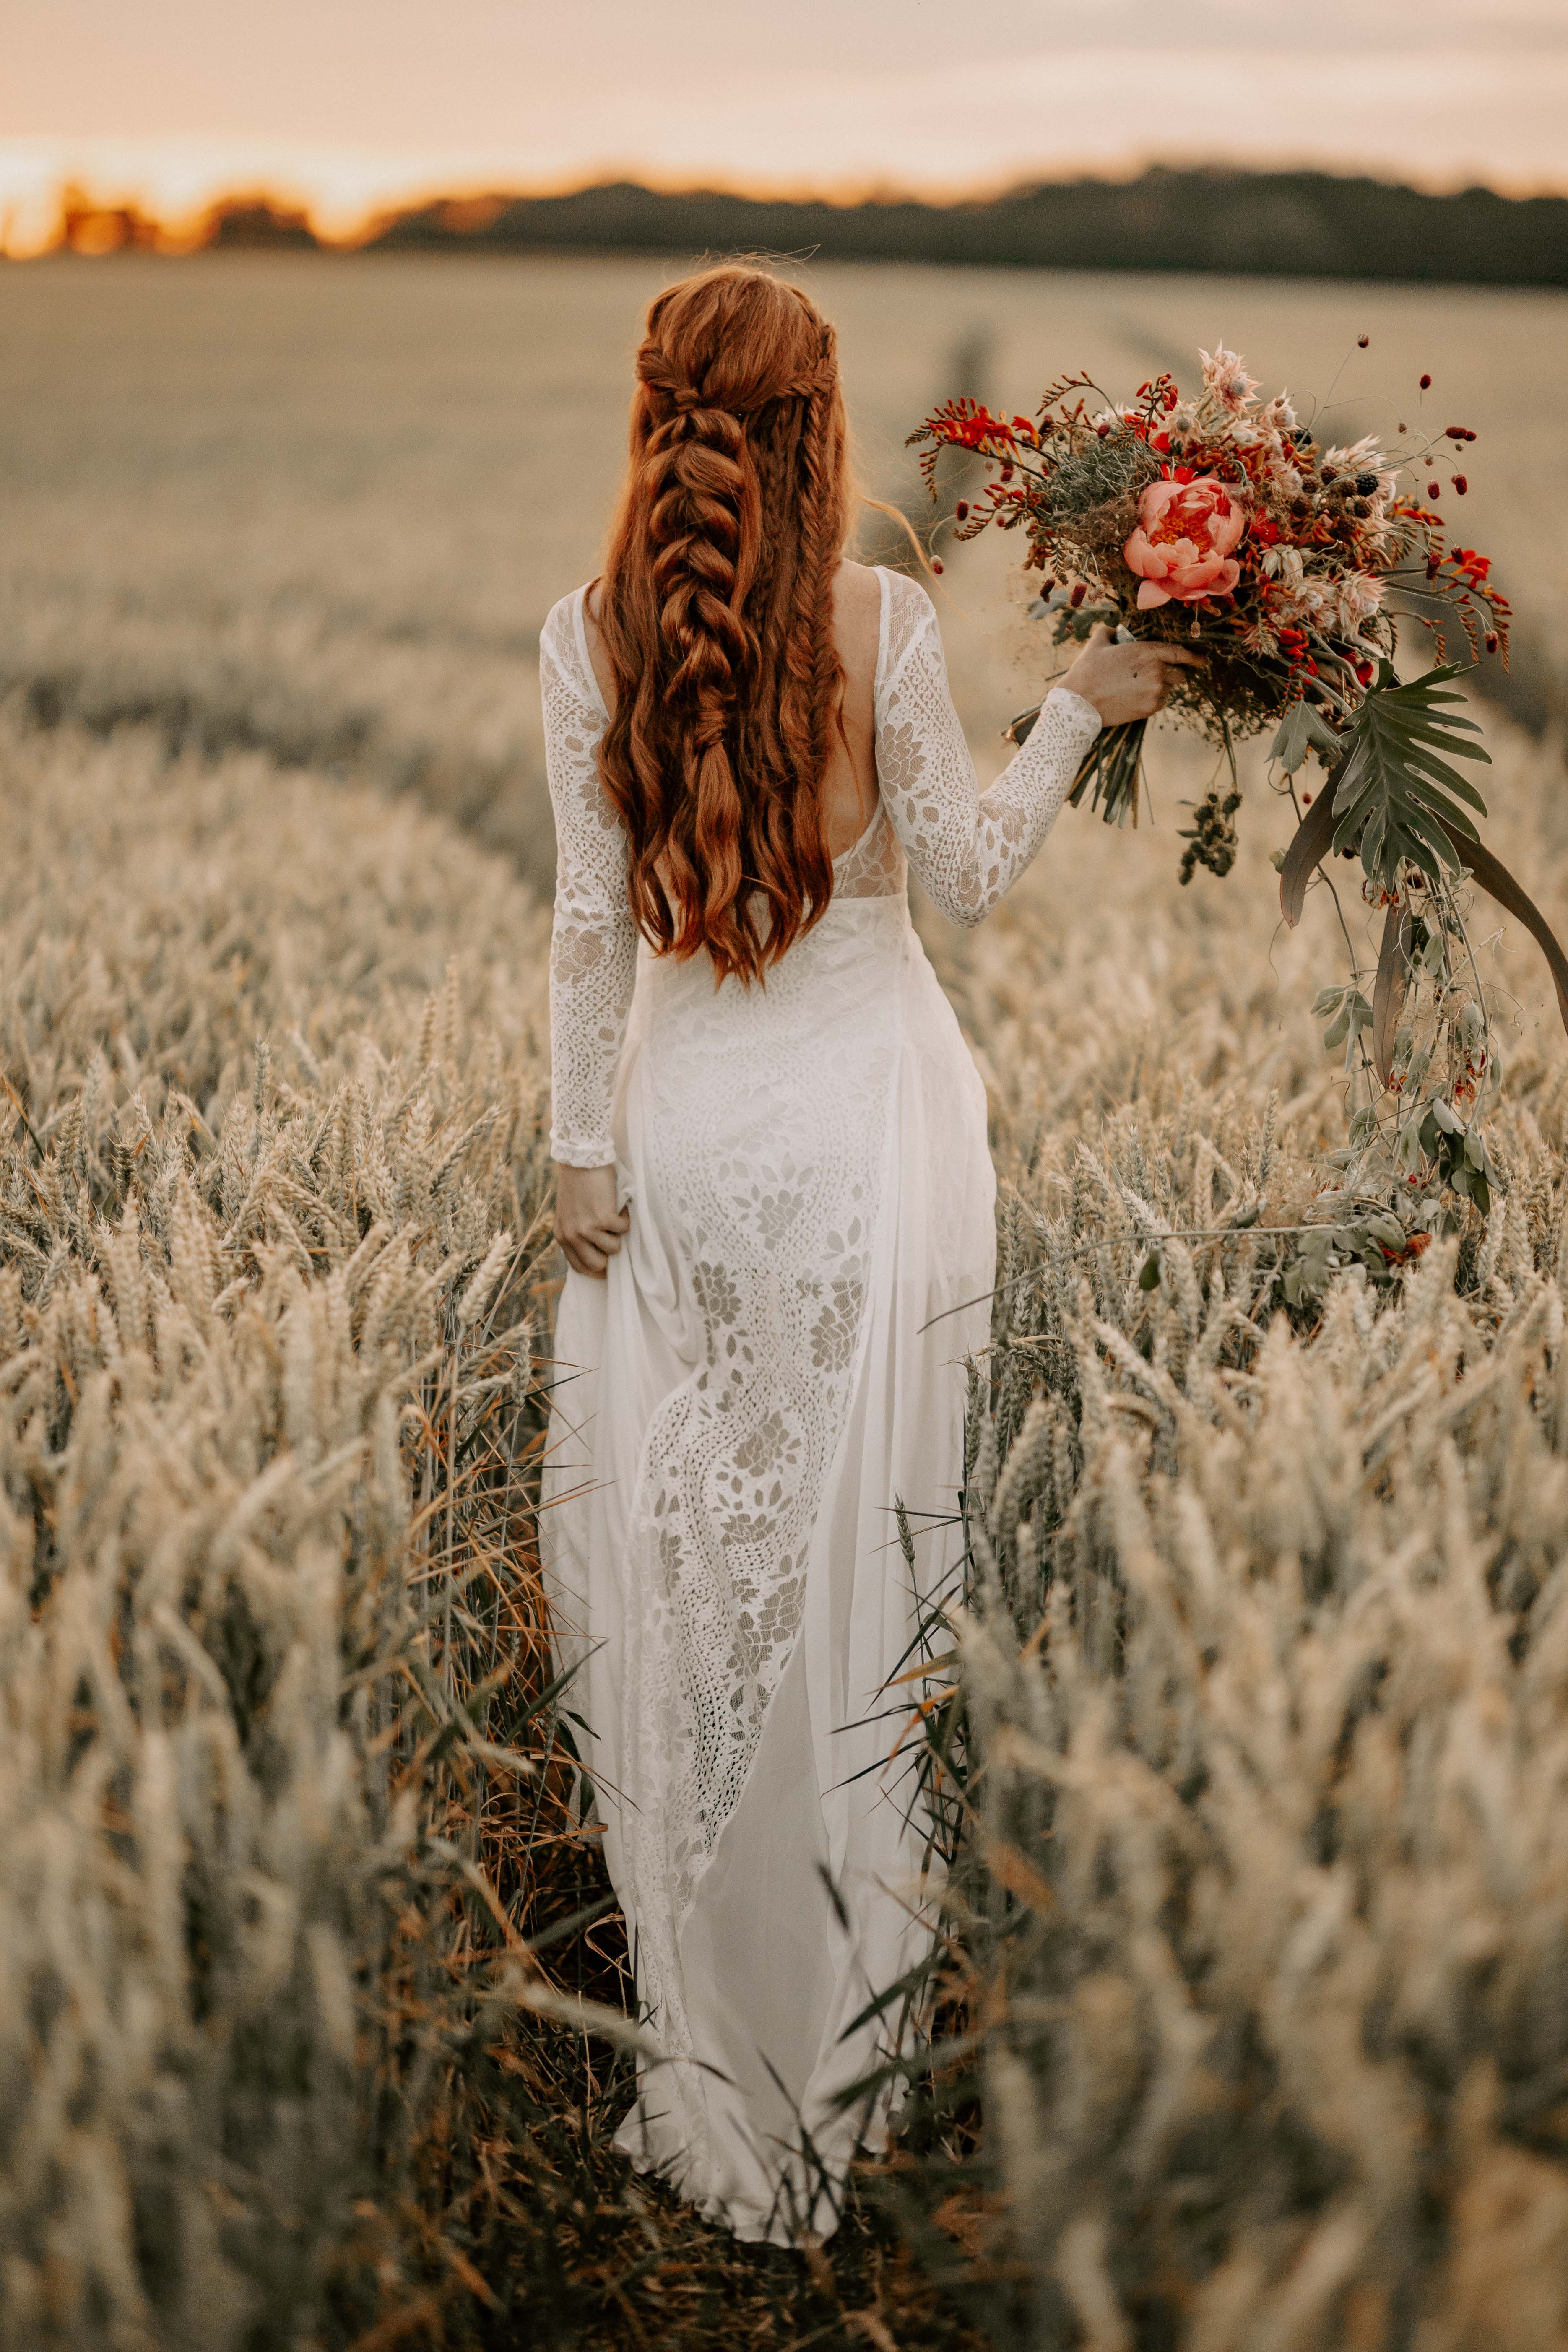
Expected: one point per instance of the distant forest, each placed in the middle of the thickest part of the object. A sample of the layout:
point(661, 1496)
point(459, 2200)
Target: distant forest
point(1271, 224)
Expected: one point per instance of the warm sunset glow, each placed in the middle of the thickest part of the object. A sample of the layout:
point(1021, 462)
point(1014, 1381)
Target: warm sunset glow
point(344, 109)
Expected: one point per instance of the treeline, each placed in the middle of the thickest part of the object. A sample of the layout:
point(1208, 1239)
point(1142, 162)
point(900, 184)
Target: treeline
point(1277, 224)
point(1272, 223)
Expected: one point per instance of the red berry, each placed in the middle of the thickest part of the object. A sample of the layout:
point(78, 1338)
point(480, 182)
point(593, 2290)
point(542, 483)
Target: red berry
point(962, 510)
point(1306, 800)
point(1433, 490)
point(1078, 593)
point(1362, 341)
point(936, 563)
point(1425, 384)
point(1462, 485)
point(1491, 641)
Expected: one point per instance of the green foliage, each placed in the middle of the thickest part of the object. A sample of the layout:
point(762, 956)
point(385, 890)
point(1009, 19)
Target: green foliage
point(1396, 795)
point(1303, 729)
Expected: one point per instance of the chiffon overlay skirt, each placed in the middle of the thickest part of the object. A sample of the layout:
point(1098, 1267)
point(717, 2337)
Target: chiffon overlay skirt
point(736, 1413)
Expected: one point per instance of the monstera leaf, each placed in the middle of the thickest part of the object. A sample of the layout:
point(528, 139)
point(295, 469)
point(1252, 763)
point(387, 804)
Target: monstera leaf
point(1395, 791)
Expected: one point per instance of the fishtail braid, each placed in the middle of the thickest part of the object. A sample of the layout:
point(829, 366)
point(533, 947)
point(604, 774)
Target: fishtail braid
point(716, 612)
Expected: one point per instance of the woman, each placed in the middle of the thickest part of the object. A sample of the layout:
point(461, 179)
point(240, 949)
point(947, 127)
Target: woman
point(776, 1202)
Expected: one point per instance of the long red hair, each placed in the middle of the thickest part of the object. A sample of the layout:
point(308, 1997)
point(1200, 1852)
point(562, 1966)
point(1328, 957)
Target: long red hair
point(716, 612)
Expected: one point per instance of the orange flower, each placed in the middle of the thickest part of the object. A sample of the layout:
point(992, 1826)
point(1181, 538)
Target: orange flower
point(1180, 550)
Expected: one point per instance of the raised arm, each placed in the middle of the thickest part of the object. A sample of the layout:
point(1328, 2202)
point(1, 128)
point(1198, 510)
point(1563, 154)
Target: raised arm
point(594, 940)
point(966, 847)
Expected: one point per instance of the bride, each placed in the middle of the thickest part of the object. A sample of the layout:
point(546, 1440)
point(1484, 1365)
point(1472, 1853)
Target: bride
point(775, 1200)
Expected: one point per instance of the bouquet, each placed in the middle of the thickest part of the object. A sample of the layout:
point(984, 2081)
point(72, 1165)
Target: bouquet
point(1220, 522)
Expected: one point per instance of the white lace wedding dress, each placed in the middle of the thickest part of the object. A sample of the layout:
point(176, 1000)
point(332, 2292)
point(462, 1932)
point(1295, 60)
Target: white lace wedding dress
point(740, 1407)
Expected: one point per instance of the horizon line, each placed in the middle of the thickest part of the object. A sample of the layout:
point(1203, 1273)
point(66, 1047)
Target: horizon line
point(183, 229)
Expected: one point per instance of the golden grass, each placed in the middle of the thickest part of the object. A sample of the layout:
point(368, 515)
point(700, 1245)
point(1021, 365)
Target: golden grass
point(1263, 1720)
point(1263, 1934)
point(270, 1183)
point(1266, 1702)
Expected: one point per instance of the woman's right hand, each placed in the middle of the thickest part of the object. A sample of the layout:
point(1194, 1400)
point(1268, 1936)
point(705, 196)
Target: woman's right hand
point(588, 1226)
point(1125, 682)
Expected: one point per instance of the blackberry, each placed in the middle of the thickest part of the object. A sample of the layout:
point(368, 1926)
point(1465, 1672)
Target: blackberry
point(1211, 837)
point(1366, 484)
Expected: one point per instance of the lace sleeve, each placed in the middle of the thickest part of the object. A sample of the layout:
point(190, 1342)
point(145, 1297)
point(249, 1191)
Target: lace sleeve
point(594, 940)
point(967, 848)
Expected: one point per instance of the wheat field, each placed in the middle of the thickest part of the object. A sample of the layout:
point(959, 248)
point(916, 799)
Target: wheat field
point(1256, 2030)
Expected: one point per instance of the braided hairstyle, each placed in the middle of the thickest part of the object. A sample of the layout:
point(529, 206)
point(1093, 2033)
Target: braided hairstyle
point(716, 612)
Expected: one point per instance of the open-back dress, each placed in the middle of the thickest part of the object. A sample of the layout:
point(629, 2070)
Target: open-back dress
point(775, 1360)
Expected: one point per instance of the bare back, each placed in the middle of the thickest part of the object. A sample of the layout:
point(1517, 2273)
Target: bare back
point(849, 787)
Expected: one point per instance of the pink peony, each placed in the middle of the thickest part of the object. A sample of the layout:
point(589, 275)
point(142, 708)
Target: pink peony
point(1181, 548)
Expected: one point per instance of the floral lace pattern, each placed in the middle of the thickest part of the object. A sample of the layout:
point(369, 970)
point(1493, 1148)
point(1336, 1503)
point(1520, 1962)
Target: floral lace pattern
point(594, 940)
point(966, 847)
point(764, 1131)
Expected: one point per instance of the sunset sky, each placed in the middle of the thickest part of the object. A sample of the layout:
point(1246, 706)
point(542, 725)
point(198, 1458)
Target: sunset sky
point(348, 104)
